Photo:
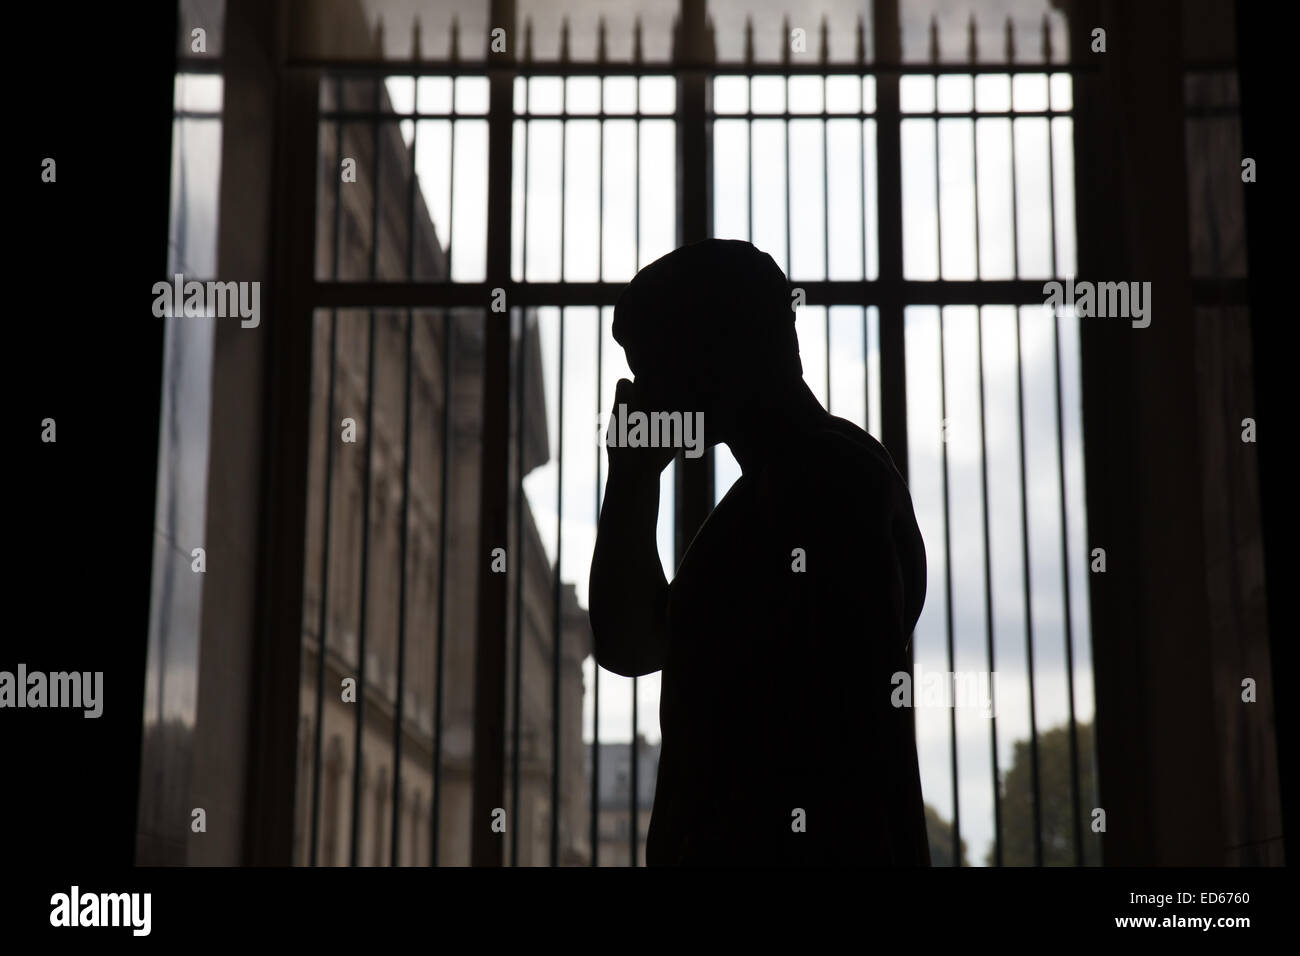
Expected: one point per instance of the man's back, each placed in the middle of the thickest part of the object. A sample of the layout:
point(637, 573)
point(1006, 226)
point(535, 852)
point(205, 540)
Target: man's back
point(786, 620)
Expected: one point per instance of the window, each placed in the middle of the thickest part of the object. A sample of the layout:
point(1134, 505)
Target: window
point(919, 208)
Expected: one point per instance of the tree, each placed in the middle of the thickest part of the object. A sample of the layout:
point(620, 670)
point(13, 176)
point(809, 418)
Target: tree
point(1056, 805)
point(939, 831)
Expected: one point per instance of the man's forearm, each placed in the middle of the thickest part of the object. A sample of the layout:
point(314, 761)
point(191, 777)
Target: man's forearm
point(628, 590)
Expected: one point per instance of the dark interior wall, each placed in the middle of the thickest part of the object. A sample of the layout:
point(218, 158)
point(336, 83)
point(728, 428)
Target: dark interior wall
point(1265, 97)
point(1188, 772)
point(82, 256)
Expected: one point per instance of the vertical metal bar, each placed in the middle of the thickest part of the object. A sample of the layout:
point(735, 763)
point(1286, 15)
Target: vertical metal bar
point(600, 341)
point(789, 252)
point(448, 345)
point(984, 486)
point(489, 786)
point(749, 149)
point(947, 507)
point(636, 176)
point(893, 371)
point(519, 512)
point(323, 620)
point(1077, 828)
point(862, 213)
point(451, 181)
point(1029, 611)
point(400, 708)
point(357, 744)
point(357, 747)
point(988, 596)
point(692, 478)
point(401, 599)
point(595, 668)
point(636, 215)
point(1024, 501)
point(521, 378)
point(558, 608)
point(523, 225)
point(826, 214)
point(947, 577)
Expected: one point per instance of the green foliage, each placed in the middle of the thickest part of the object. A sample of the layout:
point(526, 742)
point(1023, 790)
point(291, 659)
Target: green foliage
point(1056, 805)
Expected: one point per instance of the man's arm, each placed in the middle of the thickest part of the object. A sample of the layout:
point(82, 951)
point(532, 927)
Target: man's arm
point(628, 592)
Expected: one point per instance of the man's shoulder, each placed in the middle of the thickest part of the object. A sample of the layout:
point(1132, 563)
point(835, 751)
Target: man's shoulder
point(839, 464)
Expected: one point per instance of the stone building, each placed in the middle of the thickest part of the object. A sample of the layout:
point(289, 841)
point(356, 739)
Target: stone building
point(352, 553)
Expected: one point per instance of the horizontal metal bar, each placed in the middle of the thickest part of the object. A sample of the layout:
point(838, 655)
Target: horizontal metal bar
point(348, 295)
point(860, 115)
point(357, 295)
point(351, 116)
point(363, 116)
point(408, 67)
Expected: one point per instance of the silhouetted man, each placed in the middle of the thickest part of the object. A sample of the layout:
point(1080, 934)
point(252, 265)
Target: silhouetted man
point(794, 604)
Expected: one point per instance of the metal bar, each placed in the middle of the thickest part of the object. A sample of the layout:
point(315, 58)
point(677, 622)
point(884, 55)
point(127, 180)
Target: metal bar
point(355, 853)
point(365, 506)
point(519, 511)
point(984, 498)
point(1029, 611)
point(947, 577)
point(988, 596)
point(785, 127)
point(947, 506)
point(489, 790)
point(865, 115)
point(521, 378)
point(558, 607)
point(893, 371)
point(600, 342)
point(884, 292)
point(636, 181)
point(523, 225)
point(451, 190)
point(1024, 518)
point(328, 494)
point(491, 68)
point(693, 486)
point(749, 150)
point(862, 214)
point(636, 267)
point(400, 708)
point(448, 347)
point(1077, 829)
point(362, 116)
point(398, 716)
point(557, 602)
point(826, 232)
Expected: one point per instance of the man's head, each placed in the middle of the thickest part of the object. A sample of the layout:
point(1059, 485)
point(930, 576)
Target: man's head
point(708, 324)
